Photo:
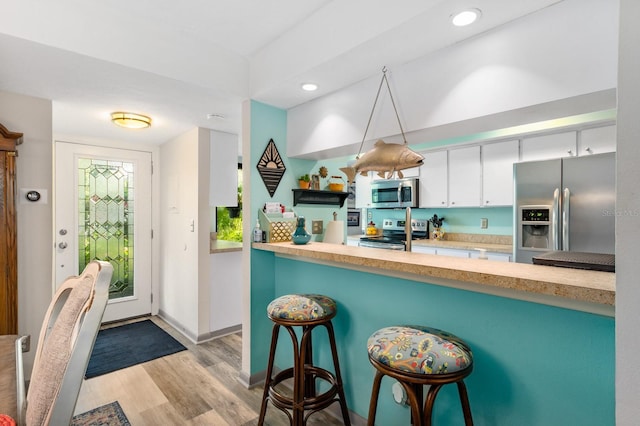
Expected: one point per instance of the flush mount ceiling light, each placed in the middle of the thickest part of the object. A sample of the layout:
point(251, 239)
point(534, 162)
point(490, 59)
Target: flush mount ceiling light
point(466, 17)
point(309, 87)
point(130, 120)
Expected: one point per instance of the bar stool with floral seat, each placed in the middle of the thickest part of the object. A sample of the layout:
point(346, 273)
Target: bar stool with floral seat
point(307, 311)
point(417, 356)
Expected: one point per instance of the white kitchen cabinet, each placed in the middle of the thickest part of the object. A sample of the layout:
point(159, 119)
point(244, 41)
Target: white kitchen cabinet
point(433, 180)
point(453, 252)
point(498, 257)
point(551, 146)
point(423, 249)
point(597, 140)
point(363, 191)
point(465, 175)
point(497, 172)
point(223, 175)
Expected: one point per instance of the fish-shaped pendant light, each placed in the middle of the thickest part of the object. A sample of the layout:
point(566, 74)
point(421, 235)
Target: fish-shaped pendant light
point(385, 158)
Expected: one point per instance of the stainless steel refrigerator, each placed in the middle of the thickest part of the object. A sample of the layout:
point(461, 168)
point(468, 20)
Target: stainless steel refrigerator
point(566, 204)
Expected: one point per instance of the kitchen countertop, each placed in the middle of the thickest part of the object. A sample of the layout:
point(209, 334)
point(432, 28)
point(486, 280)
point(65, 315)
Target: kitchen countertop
point(589, 291)
point(461, 245)
point(222, 246)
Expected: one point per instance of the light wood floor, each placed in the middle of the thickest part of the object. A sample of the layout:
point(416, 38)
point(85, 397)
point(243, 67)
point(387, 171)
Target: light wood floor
point(198, 386)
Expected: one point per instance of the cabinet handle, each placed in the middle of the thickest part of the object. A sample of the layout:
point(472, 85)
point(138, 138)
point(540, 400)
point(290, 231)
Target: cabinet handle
point(443, 203)
point(487, 202)
point(570, 152)
point(588, 150)
point(453, 202)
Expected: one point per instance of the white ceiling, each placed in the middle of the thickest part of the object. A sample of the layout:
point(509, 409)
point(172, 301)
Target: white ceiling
point(180, 61)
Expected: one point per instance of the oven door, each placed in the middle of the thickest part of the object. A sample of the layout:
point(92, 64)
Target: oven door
point(382, 244)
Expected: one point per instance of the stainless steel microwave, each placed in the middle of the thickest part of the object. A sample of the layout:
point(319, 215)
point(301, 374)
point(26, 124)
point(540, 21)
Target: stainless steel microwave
point(395, 193)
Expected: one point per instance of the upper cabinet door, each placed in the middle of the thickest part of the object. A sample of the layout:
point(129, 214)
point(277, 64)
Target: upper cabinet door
point(223, 183)
point(548, 147)
point(497, 172)
point(464, 177)
point(363, 191)
point(433, 180)
point(597, 140)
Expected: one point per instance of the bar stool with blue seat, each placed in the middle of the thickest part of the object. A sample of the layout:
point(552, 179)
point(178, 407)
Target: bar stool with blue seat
point(307, 311)
point(417, 356)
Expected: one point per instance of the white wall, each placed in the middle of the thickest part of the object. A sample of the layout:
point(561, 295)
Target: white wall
point(184, 251)
point(32, 116)
point(563, 51)
point(628, 219)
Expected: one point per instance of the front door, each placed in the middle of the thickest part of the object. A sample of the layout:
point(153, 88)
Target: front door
point(103, 211)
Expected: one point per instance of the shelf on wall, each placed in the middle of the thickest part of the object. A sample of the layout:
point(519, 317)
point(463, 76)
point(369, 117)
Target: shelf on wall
point(312, 196)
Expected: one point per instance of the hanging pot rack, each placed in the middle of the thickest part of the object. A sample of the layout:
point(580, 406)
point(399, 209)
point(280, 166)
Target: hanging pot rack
point(384, 79)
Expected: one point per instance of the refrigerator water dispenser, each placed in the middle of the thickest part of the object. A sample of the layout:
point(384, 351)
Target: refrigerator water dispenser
point(535, 228)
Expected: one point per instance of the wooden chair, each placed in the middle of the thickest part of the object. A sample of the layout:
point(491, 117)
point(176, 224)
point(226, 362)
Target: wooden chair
point(68, 332)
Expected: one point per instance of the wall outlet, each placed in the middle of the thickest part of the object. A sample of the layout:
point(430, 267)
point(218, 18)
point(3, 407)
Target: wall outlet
point(369, 215)
point(316, 227)
point(484, 223)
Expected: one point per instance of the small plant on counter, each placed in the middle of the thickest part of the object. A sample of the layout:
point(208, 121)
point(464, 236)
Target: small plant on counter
point(304, 181)
point(436, 221)
point(438, 232)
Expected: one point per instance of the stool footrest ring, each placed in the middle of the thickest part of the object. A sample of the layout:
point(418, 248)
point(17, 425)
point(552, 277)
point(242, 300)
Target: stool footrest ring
point(312, 402)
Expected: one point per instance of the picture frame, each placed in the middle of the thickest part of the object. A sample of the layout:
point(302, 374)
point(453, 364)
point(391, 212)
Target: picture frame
point(315, 182)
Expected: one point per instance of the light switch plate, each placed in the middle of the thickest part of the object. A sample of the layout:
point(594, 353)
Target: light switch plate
point(316, 227)
point(484, 223)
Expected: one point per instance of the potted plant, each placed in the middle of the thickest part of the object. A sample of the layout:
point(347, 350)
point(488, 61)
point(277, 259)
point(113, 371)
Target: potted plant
point(438, 232)
point(304, 181)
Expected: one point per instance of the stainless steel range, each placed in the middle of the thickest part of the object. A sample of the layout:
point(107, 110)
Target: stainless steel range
point(394, 235)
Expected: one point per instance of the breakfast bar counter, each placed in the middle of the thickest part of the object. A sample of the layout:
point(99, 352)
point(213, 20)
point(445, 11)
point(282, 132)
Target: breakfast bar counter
point(589, 291)
point(542, 336)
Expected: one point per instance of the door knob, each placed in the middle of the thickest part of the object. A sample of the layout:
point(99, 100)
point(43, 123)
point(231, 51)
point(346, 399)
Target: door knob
point(62, 245)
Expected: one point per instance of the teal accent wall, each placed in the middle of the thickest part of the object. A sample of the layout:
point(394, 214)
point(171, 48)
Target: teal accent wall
point(534, 364)
point(266, 123)
point(459, 220)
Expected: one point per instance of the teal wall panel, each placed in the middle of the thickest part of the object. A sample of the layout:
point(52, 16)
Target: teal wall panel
point(534, 364)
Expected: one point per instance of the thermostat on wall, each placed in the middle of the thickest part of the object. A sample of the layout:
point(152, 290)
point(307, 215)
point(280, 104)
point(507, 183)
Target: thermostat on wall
point(32, 196)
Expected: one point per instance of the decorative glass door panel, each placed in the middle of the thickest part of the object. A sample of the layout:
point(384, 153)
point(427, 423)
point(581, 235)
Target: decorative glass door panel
point(105, 226)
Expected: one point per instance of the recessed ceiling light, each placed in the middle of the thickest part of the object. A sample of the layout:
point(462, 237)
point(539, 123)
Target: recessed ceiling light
point(130, 120)
point(309, 87)
point(466, 17)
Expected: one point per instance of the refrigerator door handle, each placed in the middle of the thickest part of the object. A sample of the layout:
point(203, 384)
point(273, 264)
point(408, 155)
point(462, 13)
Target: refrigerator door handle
point(566, 202)
point(555, 223)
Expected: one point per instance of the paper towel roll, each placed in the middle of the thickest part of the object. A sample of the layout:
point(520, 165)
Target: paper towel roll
point(335, 232)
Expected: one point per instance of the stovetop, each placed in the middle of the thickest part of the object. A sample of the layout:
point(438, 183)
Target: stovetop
point(393, 231)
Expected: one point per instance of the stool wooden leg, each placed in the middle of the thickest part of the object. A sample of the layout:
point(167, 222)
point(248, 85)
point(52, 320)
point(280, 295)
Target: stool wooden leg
point(307, 347)
point(414, 395)
point(464, 400)
point(299, 354)
point(336, 365)
point(373, 404)
point(267, 380)
point(428, 404)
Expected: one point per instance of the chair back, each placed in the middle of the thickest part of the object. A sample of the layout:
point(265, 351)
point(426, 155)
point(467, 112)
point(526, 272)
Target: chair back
point(66, 340)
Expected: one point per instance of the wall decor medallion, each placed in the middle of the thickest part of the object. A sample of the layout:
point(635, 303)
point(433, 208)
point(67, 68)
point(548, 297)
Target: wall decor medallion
point(271, 167)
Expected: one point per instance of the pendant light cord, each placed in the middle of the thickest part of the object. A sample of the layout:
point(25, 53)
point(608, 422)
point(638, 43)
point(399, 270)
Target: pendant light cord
point(384, 79)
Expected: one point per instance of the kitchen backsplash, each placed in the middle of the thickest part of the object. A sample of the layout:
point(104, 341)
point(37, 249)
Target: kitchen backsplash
point(456, 220)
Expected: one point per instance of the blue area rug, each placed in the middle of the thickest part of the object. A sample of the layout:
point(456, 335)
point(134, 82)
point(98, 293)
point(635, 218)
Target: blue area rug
point(129, 344)
point(107, 415)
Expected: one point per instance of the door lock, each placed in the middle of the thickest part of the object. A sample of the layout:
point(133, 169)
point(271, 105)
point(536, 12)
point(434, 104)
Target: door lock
point(62, 245)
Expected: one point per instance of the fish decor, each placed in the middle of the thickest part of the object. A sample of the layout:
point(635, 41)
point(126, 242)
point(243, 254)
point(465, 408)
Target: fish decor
point(385, 158)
